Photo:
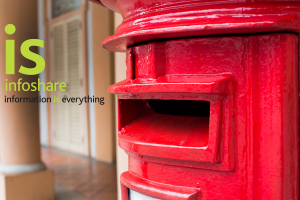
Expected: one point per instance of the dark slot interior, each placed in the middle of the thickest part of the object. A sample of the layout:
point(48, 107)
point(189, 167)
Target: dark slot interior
point(166, 122)
point(186, 108)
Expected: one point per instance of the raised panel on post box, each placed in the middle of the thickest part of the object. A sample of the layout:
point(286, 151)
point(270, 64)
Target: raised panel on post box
point(172, 116)
point(192, 138)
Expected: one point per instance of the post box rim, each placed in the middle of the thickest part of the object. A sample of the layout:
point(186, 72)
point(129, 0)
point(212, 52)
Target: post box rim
point(186, 21)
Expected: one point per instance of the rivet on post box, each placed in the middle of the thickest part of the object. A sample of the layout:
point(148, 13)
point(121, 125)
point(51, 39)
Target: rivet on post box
point(209, 108)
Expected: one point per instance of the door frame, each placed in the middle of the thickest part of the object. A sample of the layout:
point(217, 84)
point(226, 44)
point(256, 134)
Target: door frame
point(50, 23)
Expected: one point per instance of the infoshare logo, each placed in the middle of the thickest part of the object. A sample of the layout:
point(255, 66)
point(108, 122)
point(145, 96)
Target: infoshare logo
point(10, 29)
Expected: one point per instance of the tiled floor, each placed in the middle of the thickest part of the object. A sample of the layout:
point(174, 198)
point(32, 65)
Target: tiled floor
point(79, 178)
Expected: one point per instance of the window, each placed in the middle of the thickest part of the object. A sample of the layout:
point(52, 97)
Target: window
point(61, 7)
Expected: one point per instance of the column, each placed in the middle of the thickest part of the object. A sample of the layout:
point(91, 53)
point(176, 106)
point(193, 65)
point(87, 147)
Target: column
point(23, 176)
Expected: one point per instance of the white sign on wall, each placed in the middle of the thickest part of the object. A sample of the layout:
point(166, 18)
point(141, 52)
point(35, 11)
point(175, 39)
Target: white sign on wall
point(133, 195)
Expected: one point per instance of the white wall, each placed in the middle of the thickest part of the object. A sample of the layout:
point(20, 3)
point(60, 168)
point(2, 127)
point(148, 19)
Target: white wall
point(120, 74)
point(91, 83)
point(43, 107)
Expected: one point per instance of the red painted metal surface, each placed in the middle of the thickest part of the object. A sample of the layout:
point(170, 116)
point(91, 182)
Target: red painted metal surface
point(256, 147)
point(157, 19)
point(209, 117)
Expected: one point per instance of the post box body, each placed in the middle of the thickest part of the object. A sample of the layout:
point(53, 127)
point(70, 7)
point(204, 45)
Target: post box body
point(209, 111)
point(245, 147)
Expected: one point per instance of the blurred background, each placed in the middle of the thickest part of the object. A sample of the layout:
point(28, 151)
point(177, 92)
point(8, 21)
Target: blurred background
point(78, 143)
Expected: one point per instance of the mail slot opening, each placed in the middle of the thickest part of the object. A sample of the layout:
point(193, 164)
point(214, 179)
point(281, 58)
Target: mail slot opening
point(133, 195)
point(181, 107)
point(182, 123)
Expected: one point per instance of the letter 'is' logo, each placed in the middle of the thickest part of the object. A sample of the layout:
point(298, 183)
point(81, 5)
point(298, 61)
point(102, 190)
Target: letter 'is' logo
point(25, 51)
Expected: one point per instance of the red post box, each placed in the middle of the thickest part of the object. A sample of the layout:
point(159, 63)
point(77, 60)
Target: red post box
point(209, 109)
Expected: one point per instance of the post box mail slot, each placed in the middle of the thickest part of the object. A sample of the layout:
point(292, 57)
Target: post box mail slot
point(178, 118)
point(156, 190)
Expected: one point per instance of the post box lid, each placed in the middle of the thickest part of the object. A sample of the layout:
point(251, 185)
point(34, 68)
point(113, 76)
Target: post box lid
point(149, 20)
point(213, 84)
